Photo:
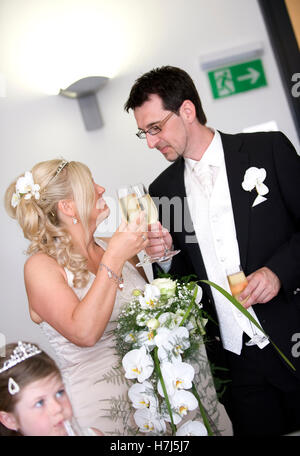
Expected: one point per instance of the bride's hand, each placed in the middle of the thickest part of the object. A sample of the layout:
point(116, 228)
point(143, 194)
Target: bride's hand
point(130, 238)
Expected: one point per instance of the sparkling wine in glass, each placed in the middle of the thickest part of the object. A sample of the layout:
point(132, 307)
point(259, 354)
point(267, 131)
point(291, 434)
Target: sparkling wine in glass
point(237, 283)
point(129, 203)
point(131, 209)
point(148, 206)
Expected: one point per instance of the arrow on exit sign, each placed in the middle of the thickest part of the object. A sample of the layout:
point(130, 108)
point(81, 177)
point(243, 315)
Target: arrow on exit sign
point(237, 78)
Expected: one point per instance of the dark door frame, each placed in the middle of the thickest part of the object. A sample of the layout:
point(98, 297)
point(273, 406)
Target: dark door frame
point(286, 50)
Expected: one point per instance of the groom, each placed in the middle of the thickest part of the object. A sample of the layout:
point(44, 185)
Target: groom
point(224, 218)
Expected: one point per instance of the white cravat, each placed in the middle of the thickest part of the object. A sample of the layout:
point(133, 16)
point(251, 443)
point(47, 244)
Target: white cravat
point(204, 175)
point(211, 211)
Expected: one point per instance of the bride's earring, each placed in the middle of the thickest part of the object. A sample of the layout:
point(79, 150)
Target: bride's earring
point(74, 220)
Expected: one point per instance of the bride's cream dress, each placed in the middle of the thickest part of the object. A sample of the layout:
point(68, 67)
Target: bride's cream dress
point(93, 378)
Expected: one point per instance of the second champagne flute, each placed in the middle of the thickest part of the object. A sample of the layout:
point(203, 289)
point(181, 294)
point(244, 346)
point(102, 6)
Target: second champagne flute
point(147, 204)
point(237, 283)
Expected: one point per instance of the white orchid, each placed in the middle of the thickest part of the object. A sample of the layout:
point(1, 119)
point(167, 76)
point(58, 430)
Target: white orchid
point(199, 294)
point(138, 364)
point(160, 325)
point(182, 402)
point(254, 178)
point(130, 337)
point(151, 297)
point(192, 428)
point(25, 187)
point(146, 338)
point(143, 396)
point(149, 422)
point(167, 287)
point(171, 320)
point(176, 376)
point(171, 343)
point(15, 200)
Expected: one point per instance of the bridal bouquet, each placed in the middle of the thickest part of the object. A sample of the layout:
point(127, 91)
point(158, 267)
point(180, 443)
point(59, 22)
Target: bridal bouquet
point(158, 333)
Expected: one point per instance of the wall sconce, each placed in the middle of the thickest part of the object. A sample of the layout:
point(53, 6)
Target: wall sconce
point(84, 90)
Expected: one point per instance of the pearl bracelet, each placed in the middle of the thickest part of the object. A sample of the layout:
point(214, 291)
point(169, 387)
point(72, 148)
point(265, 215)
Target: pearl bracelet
point(113, 276)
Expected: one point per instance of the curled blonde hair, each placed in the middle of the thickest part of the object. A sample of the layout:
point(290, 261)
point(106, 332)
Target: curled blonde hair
point(39, 218)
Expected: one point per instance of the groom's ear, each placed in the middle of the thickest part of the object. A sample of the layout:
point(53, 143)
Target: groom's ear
point(67, 207)
point(187, 111)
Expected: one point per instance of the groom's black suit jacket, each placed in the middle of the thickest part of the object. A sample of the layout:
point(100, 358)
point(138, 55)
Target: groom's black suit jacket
point(268, 234)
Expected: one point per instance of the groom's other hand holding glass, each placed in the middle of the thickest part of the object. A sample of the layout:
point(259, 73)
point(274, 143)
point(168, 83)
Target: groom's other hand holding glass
point(263, 285)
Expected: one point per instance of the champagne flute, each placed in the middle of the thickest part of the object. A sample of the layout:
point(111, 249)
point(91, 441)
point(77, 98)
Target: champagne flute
point(148, 206)
point(128, 202)
point(237, 283)
point(131, 209)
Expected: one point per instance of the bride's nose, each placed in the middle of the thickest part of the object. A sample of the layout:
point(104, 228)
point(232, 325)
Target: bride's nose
point(100, 190)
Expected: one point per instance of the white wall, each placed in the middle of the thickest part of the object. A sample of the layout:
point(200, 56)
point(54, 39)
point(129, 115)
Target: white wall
point(35, 126)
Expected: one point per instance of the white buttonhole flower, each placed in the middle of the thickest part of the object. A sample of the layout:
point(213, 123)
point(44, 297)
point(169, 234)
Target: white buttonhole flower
point(192, 428)
point(138, 364)
point(254, 178)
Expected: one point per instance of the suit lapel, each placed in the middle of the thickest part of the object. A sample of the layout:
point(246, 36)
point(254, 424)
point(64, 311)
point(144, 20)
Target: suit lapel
point(237, 161)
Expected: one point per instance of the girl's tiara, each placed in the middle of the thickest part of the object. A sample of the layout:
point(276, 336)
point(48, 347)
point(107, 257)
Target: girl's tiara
point(21, 352)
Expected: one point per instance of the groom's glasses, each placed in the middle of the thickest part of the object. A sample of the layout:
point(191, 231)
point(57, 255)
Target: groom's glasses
point(155, 129)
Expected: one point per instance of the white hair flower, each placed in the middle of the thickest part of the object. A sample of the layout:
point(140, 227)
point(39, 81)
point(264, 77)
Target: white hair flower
point(26, 187)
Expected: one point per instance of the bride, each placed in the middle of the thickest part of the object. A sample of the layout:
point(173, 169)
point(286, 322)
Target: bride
point(76, 284)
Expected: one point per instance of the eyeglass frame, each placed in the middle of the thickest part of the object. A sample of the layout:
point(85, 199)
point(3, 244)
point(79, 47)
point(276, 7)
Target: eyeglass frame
point(158, 127)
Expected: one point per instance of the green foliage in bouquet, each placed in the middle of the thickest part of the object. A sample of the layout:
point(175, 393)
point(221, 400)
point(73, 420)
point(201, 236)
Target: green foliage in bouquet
point(159, 332)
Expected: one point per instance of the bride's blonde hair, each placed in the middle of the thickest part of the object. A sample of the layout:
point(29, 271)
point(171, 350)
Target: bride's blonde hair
point(39, 218)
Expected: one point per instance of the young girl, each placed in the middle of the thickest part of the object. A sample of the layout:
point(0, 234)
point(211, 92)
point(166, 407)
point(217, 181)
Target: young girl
point(33, 401)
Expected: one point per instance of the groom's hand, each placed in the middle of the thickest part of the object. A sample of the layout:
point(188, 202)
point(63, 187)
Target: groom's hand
point(158, 238)
point(263, 285)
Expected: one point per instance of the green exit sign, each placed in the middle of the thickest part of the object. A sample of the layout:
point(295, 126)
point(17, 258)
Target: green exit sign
point(237, 78)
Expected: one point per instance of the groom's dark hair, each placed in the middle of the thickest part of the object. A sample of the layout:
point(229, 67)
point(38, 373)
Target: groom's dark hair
point(171, 84)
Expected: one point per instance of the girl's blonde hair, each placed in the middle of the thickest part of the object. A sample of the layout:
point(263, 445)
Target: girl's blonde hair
point(39, 218)
point(32, 369)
